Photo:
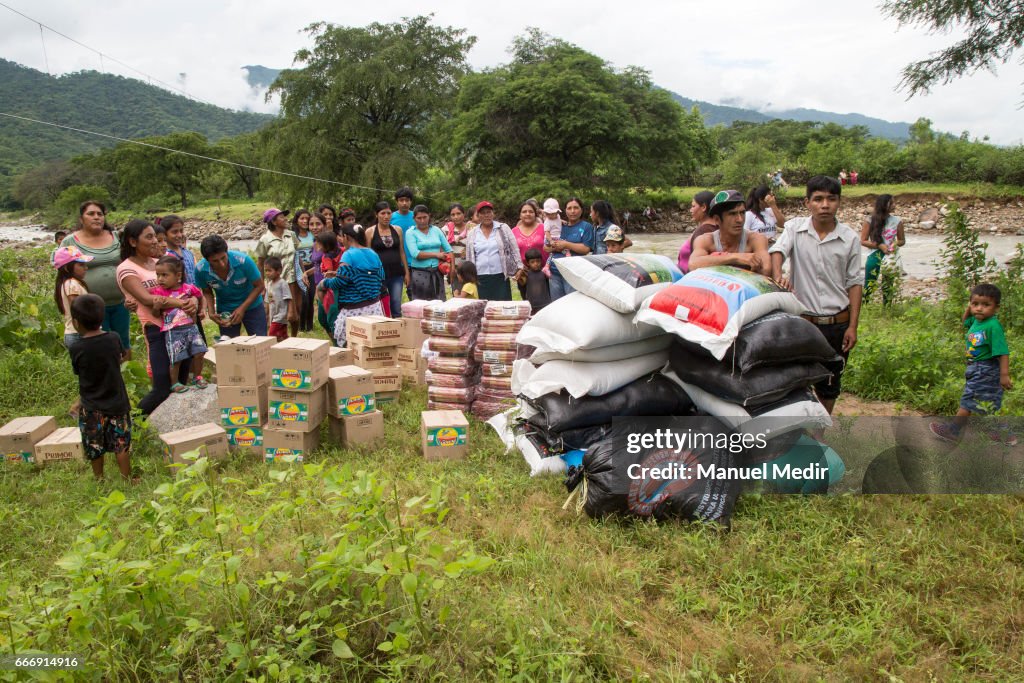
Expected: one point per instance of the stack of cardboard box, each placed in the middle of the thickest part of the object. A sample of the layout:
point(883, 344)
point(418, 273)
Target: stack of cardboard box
point(352, 404)
point(19, 437)
point(374, 341)
point(297, 398)
point(243, 371)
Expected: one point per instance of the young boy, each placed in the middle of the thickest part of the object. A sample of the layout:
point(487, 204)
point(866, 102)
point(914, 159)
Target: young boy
point(826, 274)
point(538, 291)
point(988, 365)
point(614, 240)
point(105, 416)
point(278, 296)
point(59, 236)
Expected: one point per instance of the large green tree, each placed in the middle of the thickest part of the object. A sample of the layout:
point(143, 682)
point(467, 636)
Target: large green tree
point(144, 170)
point(358, 108)
point(994, 32)
point(556, 111)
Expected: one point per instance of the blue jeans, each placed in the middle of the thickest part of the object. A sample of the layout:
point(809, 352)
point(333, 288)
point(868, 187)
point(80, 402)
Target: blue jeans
point(255, 321)
point(395, 286)
point(559, 287)
point(117, 319)
point(160, 363)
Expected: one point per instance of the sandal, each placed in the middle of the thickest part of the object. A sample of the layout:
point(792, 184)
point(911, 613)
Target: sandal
point(199, 383)
point(178, 388)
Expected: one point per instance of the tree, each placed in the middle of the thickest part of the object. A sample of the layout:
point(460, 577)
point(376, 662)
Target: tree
point(358, 110)
point(242, 149)
point(559, 112)
point(143, 170)
point(995, 30)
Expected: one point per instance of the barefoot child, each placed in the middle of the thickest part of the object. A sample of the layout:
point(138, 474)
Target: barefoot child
point(105, 420)
point(466, 271)
point(279, 298)
point(988, 365)
point(184, 343)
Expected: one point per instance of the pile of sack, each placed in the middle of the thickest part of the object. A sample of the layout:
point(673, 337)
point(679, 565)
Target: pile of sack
point(496, 351)
point(638, 339)
point(453, 374)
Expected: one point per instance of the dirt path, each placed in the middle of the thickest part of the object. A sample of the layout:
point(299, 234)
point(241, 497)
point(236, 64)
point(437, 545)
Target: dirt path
point(850, 405)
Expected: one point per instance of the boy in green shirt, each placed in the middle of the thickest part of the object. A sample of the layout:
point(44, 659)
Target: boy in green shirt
point(988, 364)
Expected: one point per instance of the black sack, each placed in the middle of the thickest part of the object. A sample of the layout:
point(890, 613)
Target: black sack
point(608, 488)
point(778, 339)
point(755, 388)
point(650, 396)
point(571, 439)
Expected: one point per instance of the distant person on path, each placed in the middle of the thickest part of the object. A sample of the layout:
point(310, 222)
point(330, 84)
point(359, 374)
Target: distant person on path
point(281, 242)
point(699, 206)
point(493, 250)
point(843, 177)
point(988, 365)
point(95, 238)
point(357, 284)
point(853, 177)
point(137, 278)
point(457, 231)
point(429, 248)
point(826, 274)
point(777, 181)
point(233, 288)
point(105, 419)
point(603, 215)
point(304, 261)
point(577, 240)
point(883, 233)
point(731, 244)
point(763, 214)
point(388, 242)
point(185, 345)
point(529, 231)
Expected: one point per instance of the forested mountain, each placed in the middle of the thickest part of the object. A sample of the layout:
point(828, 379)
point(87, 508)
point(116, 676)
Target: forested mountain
point(99, 102)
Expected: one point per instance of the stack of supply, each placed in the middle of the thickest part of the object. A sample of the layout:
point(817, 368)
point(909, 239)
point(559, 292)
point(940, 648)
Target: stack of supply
point(243, 370)
point(412, 314)
point(496, 350)
point(453, 375)
point(19, 437)
point(352, 404)
point(299, 369)
point(375, 342)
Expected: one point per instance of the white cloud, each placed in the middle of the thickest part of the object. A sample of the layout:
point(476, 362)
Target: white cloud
point(841, 57)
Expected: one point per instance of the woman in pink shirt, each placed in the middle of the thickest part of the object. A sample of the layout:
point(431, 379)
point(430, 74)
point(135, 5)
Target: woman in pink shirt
point(136, 276)
point(529, 233)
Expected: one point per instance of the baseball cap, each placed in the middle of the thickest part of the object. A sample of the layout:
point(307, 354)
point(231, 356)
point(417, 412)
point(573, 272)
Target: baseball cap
point(724, 199)
point(66, 255)
point(551, 205)
point(484, 205)
point(614, 234)
point(270, 214)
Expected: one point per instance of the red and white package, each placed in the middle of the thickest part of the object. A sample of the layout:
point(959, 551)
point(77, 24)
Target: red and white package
point(492, 395)
point(416, 309)
point(451, 394)
point(485, 410)
point(448, 328)
point(508, 357)
point(497, 383)
point(501, 325)
point(497, 369)
point(441, 405)
point(507, 310)
point(453, 346)
point(452, 365)
point(455, 309)
point(446, 379)
point(497, 341)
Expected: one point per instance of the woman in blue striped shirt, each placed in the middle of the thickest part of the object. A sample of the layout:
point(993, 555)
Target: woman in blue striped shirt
point(358, 282)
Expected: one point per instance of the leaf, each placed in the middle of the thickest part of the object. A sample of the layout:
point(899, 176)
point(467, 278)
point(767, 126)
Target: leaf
point(341, 649)
point(386, 646)
point(409, 583)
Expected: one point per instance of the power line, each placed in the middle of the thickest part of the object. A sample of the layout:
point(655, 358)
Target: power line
point(192, 154)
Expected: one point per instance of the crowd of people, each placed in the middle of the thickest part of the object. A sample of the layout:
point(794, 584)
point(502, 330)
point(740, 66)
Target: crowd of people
point(323, 266)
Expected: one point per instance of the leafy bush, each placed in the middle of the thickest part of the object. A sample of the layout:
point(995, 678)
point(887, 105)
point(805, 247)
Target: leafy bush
point(65, 209)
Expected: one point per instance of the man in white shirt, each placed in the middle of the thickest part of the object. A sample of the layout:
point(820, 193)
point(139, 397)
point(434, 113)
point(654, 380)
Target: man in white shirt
point(826, 274)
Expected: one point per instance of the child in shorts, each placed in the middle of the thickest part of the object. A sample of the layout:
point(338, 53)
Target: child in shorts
point(105, 416)
point(278, 296)
point(988, 365)
point(184, 342)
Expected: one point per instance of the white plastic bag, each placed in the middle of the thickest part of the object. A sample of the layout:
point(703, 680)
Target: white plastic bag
point(581, 379)
point(619, 281)
point(606, 354)
point(577, 322)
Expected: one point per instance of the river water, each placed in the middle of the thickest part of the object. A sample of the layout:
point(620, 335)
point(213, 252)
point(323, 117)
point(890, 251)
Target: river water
point(919, 255)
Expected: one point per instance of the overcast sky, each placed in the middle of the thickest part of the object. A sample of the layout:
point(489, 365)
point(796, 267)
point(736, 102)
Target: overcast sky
point(840, 57)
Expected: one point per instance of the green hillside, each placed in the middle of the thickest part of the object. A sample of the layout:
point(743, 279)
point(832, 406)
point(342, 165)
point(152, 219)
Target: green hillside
point(100, 102)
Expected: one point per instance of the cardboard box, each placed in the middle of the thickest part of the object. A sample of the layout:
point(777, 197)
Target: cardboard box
point(386, 397)
point(414, 334)
point(210, 365)
point(339, 357)
point(279, 445)
point(19, 437)
point(370, 358)
point(62, 444)
point(350, 391)
point(249, 436)
point(209, 439)
point(243, 361)
point(299, 364)
point(355, 430)
point(410, 357)
point(417, 376)
point(387, 379)
point(296, 411)
point(444, 434)
point(242, 406)
point(374, 331)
